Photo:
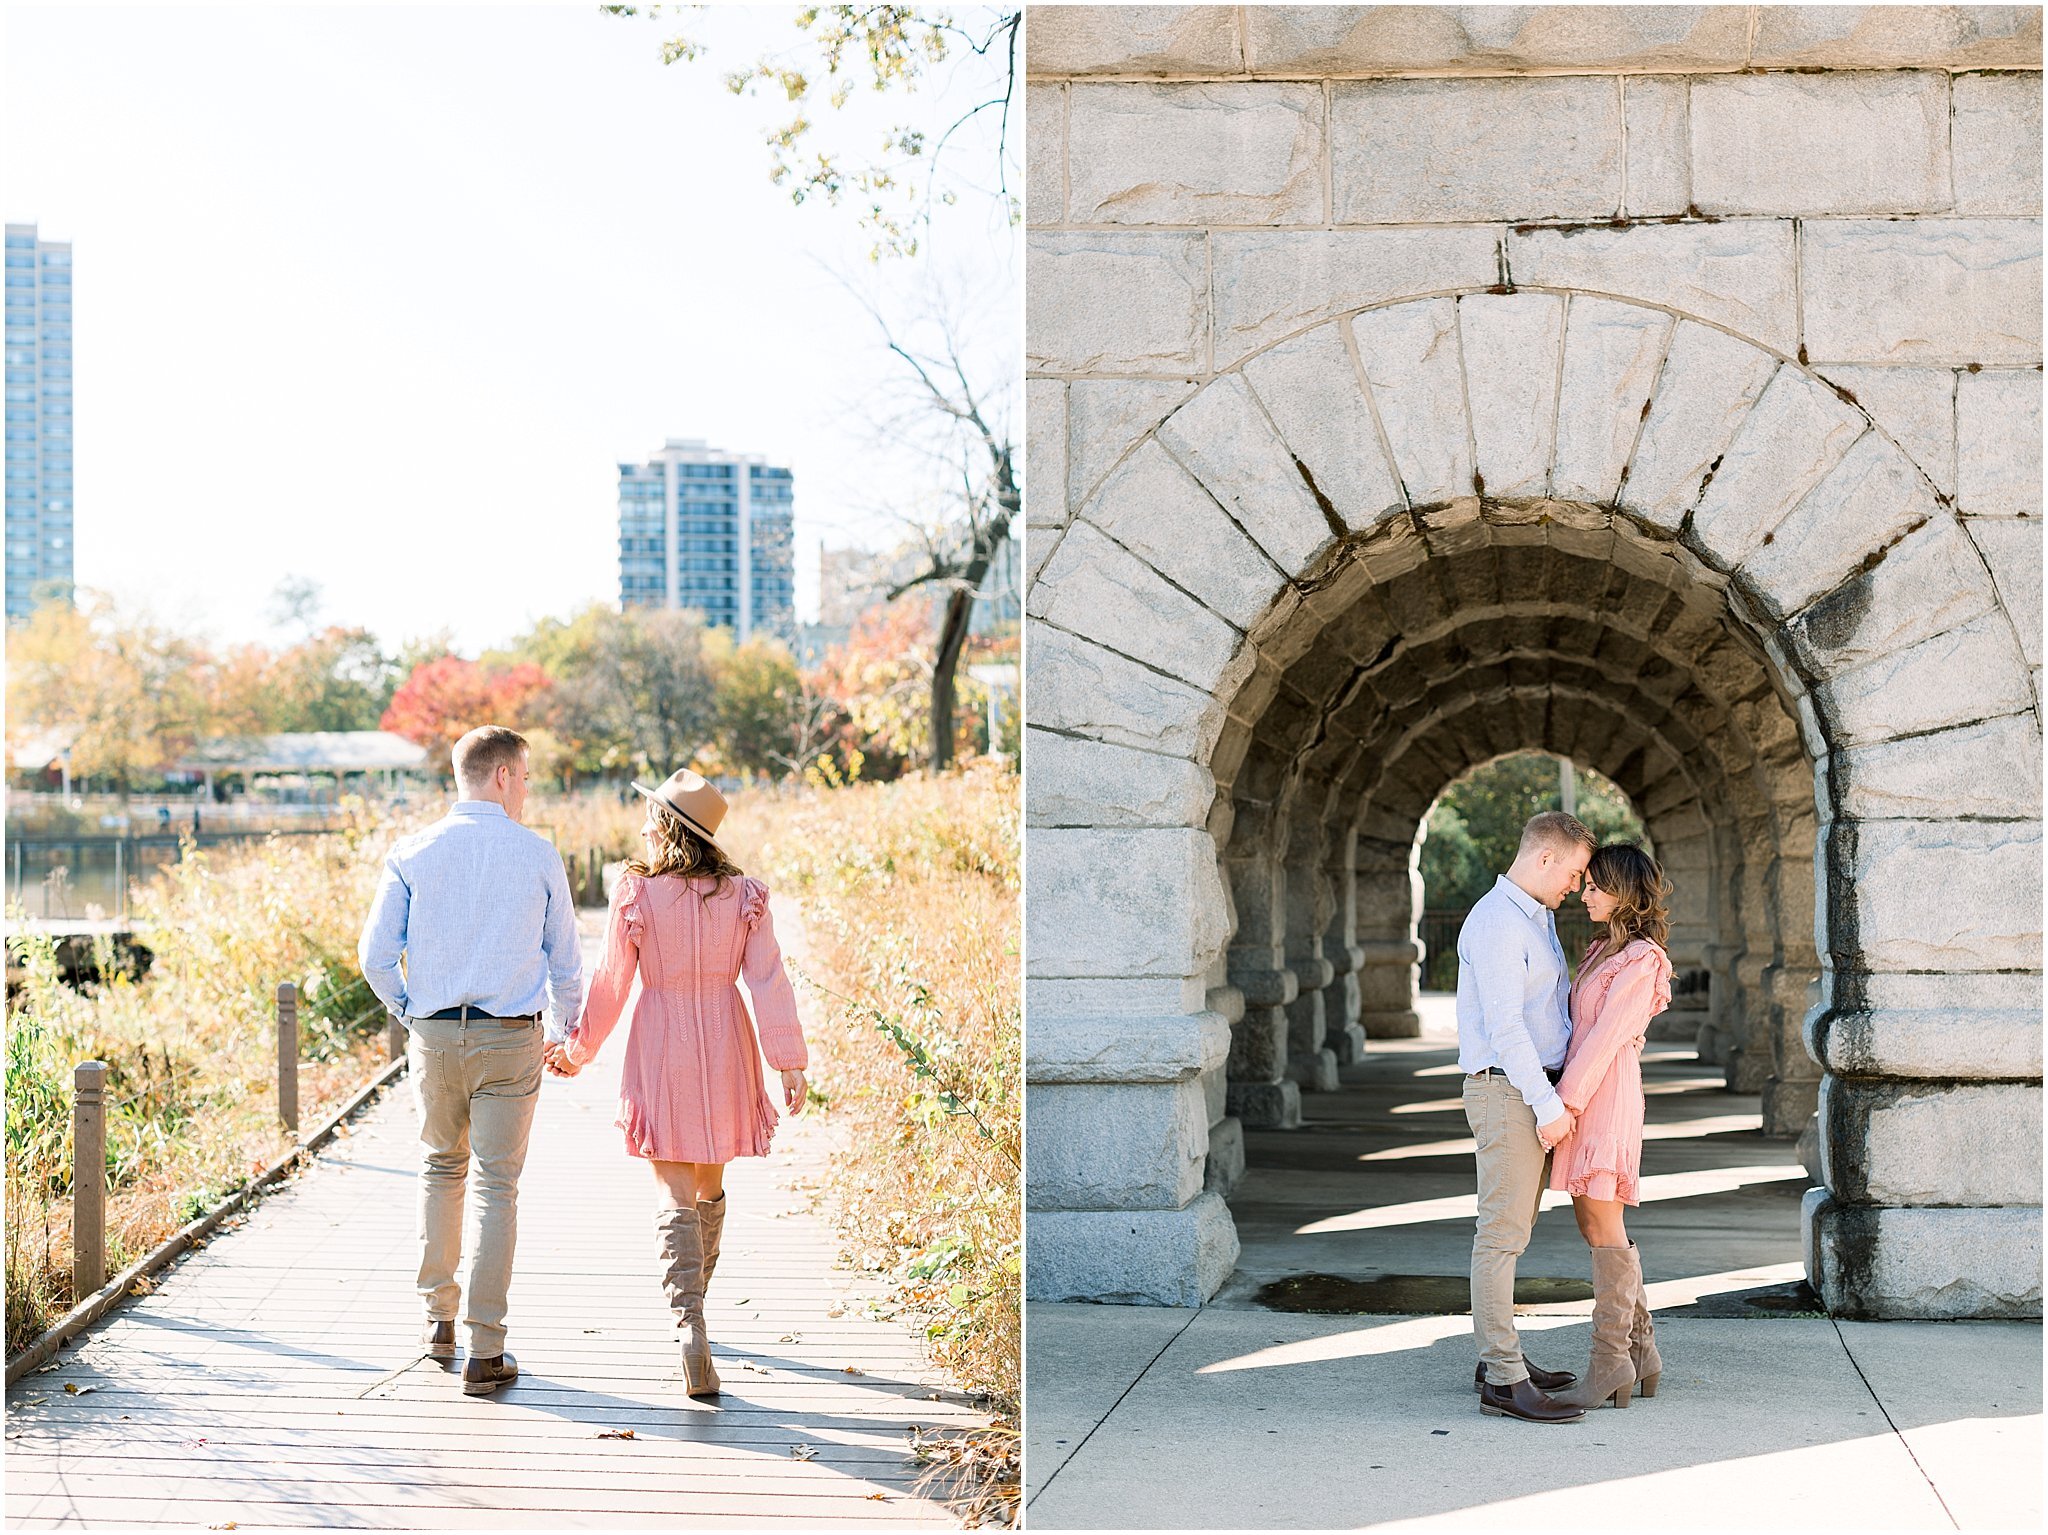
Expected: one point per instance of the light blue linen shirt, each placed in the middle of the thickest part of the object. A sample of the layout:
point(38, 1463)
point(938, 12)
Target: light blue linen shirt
point(480, 908)
point(1514, 994)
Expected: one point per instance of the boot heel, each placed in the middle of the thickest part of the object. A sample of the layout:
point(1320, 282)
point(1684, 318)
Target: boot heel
point(1650, 1383)
point(1491, 1412)
point(1621, 1397)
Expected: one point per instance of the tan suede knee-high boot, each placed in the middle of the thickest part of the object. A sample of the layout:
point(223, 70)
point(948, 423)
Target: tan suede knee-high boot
point(1642, 1338)
point(711, 1221)
point(1611, 1374)
point(682, 1249)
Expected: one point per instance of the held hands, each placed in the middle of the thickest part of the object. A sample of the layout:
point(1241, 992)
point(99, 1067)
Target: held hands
point(794, 1092)
point(555, 1057)
point(1559, 1129)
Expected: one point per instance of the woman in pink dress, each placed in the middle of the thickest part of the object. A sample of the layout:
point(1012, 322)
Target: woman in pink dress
point(1624, 982)
point(691, 1097)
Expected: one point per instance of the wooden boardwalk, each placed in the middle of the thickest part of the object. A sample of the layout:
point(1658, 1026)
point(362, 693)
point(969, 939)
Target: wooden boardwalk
point(273, 1379)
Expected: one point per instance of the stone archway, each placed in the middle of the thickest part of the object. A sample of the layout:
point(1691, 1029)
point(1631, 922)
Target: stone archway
point(1297, 600)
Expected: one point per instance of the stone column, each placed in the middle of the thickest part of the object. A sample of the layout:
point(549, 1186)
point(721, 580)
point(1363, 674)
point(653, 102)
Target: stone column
point(1388, 892)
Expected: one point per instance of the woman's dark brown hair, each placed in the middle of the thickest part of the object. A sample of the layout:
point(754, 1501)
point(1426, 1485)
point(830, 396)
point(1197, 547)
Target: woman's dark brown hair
point(1630, 875)
point(678, 850)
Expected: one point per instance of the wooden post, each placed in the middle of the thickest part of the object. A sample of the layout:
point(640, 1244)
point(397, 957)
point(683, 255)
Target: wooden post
point(288, 1056)
point(88, 1179)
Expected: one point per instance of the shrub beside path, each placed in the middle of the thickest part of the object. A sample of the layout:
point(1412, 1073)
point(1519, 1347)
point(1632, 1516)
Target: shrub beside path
point(273, 1380)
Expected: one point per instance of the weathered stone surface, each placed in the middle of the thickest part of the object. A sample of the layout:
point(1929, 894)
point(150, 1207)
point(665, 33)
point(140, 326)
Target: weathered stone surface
point(1953, 1041)
point(1105, 416)
point(1612, 353)
point(1092, 587)
point(1915, 407)
point(1123, 1146)
point(1798, 431)
point(1117, 1047)
point(1971, 673)
point(1811, 144)
point(1510, 344)
point(1885, 1264)
point(1410, 355)
point(1116, 302)
point(1078, 686)
point(1155, 508)
point(1086, 1002)
point(1226, 1157)
point(1737, 274)
point(1709, 384)
point(1424, 151)
point(1998, 143)
point(1897, 37)
point(1045, 453)
point(1090, 783)
point(1309, 387)
point(1992, 769)
point(1225, 440)
point(1892, 1143)
point(1872, 496)
point(1133, 40)
point(1998, 444)
point(1933, 895)
point(2012, 548)
point(1123, 903)
point(1922, 290)
point(1240, 153)
point(1271, 284)
point(1045, 155)
point(1140, 1257)
point(1658, 145)
point(1931, 581)
point(1375, 39)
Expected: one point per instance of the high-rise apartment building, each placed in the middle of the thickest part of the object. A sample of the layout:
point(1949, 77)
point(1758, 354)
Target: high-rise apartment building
point(38, 419)
point(708, 530)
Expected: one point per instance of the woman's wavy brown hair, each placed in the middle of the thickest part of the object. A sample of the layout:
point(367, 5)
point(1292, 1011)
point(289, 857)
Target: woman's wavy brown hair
point(678, 850)
point(1639, 888)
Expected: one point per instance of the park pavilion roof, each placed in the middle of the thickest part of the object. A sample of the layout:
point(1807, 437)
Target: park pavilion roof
point(311, 751)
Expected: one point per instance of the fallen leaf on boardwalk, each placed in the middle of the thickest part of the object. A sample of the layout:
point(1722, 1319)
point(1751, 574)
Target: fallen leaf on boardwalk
point(46, 1369)
point(802, 1452)
point(72, 1388)
point(230, 1525)
point(748, 1364)
point(791, 1337)
point(878, 1497)
point(143, 1285)
point(835, 1310)
point(35, 1401)
point(617, 1433)
point(593, 1329)
point(193, 1444)
point(854, 1369)
point(746, 1300)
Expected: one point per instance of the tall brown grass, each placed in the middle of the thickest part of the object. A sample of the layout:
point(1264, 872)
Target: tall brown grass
point(909, 893)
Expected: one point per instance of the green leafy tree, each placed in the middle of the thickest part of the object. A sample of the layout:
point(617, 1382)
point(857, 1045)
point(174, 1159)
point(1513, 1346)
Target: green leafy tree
point(1476, 826)
point(760, 705)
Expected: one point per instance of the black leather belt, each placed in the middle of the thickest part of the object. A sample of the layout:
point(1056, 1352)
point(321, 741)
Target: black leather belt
point(468, 1014)
point(1556, 1075)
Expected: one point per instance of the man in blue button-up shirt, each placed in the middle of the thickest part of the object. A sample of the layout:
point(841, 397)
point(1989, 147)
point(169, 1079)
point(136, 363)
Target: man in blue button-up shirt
point(479, 909)
point(1514, 1020)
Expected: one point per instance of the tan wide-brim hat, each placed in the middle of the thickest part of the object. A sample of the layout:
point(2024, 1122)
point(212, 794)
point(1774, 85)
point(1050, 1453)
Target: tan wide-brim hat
point(691, 799)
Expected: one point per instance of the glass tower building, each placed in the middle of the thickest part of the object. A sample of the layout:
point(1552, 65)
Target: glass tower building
point(38, 419)
point(708, 530)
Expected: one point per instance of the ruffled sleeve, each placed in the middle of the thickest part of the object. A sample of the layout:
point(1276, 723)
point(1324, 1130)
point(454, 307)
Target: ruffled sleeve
point(1638, 991)
point(614, 979)
point(782, 1035)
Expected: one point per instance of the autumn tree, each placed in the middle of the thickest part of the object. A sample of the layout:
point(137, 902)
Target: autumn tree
point(761, 705)
point(445, 699)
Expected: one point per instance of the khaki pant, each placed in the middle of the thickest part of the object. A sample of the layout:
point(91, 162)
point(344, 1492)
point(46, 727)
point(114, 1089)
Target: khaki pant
point(475, 1085)
point(1513, 1168)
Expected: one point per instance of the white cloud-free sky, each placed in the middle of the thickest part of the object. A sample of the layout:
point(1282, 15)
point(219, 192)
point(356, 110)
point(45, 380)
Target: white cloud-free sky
point(383, 295)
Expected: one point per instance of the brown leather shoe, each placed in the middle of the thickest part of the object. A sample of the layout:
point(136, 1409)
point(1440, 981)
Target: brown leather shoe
point(1522, 1400)
point(1543, 1380)
point(480, 1377)
point(438, 1338)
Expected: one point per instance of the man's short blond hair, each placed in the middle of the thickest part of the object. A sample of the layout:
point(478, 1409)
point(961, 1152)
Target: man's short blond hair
point(1557, 832)
point(480, 754)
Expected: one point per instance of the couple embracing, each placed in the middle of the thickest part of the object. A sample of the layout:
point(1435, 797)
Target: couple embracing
point(1553, 1090)
point(478, 908)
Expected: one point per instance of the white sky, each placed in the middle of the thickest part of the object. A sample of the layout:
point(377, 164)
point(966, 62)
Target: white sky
point(382, 295)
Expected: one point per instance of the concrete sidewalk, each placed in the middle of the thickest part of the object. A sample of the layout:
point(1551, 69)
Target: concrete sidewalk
point(1147, 1418)
point(1319, 1415)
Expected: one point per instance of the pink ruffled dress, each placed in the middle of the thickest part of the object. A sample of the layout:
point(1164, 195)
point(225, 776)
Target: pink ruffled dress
point(692, 1089)
point(1613, 1001)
